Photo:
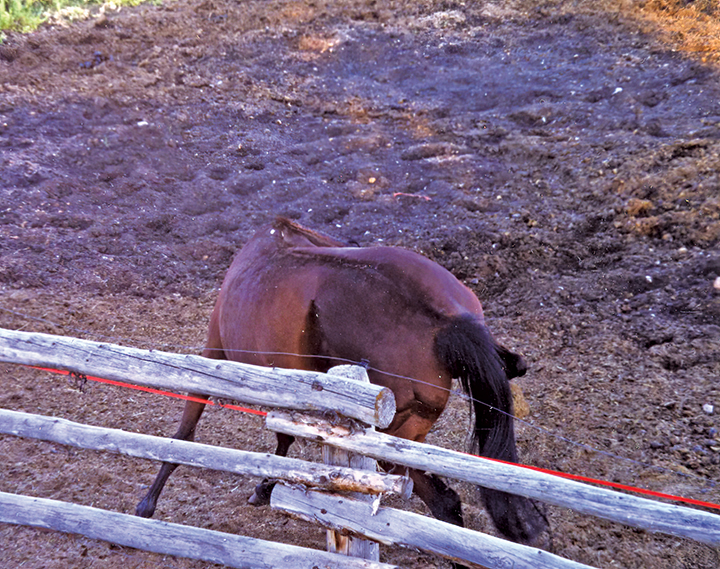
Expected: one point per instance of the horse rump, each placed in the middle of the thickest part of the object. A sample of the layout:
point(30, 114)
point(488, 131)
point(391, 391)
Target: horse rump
point(468, 351)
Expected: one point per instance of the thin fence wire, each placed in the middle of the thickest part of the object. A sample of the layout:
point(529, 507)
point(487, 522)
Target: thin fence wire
point(587, 447)
point(136, 558)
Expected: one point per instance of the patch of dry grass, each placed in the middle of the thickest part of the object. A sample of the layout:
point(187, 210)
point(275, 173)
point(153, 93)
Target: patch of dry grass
point(691, 26)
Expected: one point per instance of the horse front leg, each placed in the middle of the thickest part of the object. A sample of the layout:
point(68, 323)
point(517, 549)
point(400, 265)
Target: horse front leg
point(261, 497)
point(186, 432)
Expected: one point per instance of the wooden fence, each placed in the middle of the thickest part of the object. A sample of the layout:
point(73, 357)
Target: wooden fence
point(301, 392)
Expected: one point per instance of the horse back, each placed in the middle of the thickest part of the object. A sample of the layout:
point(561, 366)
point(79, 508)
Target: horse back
point(291, 289)
point(286, 250)
point(401, 273)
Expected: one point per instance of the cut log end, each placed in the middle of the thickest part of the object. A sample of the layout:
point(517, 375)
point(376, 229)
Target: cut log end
point(385, 408)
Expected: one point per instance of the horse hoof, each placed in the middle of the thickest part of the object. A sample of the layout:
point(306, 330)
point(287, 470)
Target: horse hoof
point(257, 500)
point(144, 510)
point(261, 497)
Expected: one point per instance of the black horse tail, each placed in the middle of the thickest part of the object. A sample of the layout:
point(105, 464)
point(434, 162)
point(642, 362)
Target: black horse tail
point(468, 351)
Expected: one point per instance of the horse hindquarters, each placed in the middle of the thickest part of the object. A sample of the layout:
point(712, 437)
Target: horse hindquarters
point(466, 348)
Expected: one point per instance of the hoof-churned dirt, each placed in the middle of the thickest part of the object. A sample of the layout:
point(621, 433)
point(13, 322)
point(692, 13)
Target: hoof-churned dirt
point(560, 159)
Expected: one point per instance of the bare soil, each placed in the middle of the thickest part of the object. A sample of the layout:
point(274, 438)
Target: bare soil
point(561, 158)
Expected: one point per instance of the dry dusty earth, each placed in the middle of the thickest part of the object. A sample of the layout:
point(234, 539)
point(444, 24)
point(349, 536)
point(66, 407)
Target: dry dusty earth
point(561, 158)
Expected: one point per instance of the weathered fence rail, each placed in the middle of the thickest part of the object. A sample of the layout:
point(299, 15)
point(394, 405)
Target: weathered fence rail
point(630, 510)
point(305, 391)
point(263, 465)
point(397, 527)
point(169, 538)
point(357, 517)
point(274, 387)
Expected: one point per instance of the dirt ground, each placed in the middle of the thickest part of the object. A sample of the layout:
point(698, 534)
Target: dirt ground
point(561, 158)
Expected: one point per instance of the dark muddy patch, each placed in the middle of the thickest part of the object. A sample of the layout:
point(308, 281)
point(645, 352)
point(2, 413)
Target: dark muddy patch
point(562, 162)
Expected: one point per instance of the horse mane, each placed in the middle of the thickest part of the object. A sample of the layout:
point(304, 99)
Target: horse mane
point(295, 235)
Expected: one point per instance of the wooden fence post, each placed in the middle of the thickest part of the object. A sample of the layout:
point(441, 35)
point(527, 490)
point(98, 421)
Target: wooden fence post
point(336, 541)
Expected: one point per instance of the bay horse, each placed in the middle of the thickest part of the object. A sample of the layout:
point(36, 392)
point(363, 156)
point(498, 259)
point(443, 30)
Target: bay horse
point(295, 298)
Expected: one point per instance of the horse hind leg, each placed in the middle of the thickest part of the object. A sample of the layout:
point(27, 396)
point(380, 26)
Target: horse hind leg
point(186, 432)
point(443, 501)
point(520, 519)
point(261, 497)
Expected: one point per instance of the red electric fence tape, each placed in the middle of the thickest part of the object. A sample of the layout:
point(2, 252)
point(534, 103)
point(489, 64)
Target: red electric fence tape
point(575, 477)
point(159, 392)
point(615, 485)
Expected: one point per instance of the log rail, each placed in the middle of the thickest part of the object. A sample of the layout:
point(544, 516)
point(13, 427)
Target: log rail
point(301, 392)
